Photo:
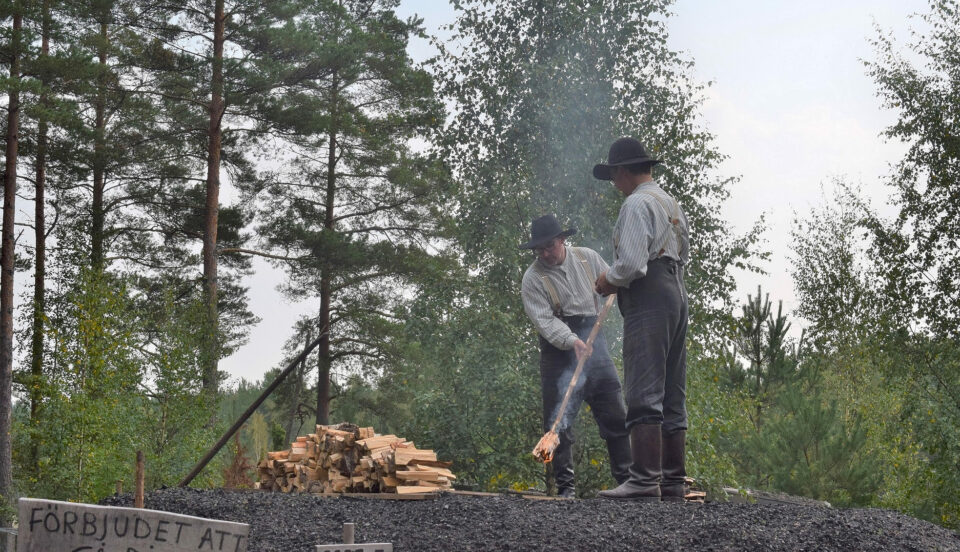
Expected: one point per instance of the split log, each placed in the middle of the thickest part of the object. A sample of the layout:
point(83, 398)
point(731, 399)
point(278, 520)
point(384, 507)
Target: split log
point(410, 489)
point(417, 476)
point(403, 456)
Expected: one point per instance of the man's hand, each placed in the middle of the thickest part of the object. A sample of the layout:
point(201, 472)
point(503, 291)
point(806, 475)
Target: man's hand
point(581, 348)
point(602, 286)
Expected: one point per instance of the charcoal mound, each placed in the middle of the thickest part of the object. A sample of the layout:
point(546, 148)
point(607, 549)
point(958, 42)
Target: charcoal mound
point(295, 523)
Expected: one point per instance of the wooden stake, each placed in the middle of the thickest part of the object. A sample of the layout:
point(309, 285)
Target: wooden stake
point(348, 533)
point(138, 493)
point(250, 410)
point(119, 486)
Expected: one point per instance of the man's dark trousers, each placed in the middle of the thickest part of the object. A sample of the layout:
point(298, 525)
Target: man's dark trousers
point(654, 312)
point(599, 386)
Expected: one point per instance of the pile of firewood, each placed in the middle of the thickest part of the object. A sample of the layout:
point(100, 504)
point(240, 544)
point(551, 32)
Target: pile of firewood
point(350, 459)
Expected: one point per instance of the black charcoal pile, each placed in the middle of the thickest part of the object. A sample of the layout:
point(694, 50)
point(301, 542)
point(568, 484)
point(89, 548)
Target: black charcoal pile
point(295, 523)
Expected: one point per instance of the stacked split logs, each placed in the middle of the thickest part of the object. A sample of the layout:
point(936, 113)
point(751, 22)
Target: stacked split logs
point(350, 459)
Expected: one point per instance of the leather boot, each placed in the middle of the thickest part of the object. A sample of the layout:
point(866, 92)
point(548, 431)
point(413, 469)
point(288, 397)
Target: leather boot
point(673, 483)
point(644, 481)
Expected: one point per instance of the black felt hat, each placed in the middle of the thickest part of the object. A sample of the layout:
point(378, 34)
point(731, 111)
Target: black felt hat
point(544, 229)
point(625, 151)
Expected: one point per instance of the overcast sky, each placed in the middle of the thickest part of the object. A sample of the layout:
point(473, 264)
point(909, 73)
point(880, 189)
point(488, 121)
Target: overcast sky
point(790, 105)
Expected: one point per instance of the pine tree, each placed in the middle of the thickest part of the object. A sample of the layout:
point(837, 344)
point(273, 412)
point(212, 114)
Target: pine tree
point(808, 448)
point(760, 338)
point(220, 67)
point(14, 52)
point(40, 237)
point(358, 210)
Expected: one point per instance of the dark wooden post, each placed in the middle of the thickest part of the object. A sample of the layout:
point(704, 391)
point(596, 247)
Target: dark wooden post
point(138, 493)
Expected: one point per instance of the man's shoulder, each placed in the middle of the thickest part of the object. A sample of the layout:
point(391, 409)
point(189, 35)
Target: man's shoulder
point(644, 200)
point(531, 272)
point(584, 251)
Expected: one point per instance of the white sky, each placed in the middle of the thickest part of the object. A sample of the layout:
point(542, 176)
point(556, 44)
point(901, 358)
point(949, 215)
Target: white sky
point(790, 105)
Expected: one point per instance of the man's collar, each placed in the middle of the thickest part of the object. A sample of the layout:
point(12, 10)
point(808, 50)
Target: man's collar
point(647, 184)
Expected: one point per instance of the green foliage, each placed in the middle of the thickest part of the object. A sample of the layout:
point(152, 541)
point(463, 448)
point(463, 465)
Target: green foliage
point(928, 477)
point(807, 448)
point(799, 441)
point(836, 284)
point(175, 415)
point(259, 435)
point(760, 338)
point(894, 381)
point(917, 259)
point(475, 391)
point(924, 235)
point(717, 416)
point(90, 410)
point(278, 437)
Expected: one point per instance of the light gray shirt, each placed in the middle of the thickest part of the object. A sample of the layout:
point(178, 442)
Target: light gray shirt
point(643, 229)
point(574, 290)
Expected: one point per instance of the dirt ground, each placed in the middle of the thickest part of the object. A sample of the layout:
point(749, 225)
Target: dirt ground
point(292, 523)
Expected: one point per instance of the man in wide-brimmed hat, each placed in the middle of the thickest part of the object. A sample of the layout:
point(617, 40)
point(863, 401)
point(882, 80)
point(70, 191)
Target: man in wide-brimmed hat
point(651, 247)
point(558, 296)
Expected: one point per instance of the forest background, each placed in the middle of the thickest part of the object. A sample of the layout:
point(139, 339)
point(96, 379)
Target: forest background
point(159, 146)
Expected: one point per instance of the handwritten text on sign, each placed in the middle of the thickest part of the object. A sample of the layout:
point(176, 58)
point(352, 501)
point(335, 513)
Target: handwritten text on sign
point(51, 525)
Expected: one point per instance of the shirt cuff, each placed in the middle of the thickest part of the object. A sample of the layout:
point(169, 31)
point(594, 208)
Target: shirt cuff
point(614, 279)
point(569, 341)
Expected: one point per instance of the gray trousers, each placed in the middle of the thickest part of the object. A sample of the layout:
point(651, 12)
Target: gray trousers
point(599, 386)
point(654, 310)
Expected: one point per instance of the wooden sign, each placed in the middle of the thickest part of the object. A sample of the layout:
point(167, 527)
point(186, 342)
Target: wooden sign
point(369, 547)
point(51, 525)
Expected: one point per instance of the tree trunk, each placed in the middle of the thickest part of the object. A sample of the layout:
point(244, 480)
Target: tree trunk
point(211, 344)
point(40, 268)
point(323, 355)
point(7, 270)
point(323, 372)
point(99, 149)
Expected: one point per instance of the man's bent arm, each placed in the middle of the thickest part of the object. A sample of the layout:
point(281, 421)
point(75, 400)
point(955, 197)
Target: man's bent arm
point(633, 251)
point(540, 311)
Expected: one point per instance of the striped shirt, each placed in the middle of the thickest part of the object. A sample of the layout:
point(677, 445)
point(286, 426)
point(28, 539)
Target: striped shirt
point(643, 229)
point(574, 290)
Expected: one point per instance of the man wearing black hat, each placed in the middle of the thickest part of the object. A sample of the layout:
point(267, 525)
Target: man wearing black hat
point(651, 247)
point(558, 296)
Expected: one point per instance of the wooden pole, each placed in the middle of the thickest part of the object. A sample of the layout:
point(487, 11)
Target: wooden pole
point(138, 493)
point(583, 359)
point(250, 410)
point(543, 451)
